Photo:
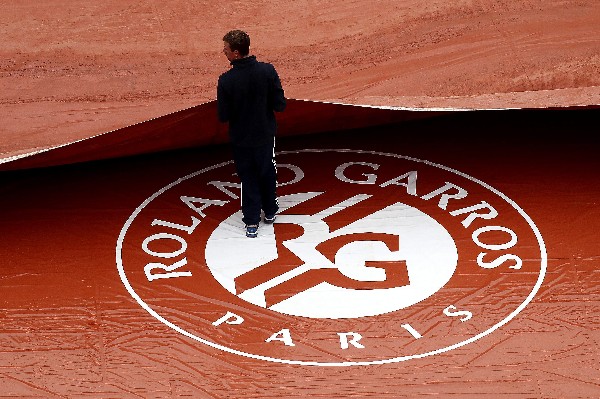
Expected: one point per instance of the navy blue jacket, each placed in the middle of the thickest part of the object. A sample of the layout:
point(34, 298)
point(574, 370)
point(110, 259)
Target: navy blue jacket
point(248, 95)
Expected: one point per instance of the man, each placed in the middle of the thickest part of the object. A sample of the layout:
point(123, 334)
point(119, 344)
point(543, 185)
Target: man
point(248, 95)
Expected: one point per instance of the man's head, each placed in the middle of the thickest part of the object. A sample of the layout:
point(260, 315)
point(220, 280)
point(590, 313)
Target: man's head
point(236, 44)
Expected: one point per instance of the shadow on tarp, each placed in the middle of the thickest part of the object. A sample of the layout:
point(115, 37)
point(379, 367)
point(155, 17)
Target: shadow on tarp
point(198, 126)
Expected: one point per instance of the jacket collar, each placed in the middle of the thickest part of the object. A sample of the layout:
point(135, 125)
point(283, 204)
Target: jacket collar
point(244, 61)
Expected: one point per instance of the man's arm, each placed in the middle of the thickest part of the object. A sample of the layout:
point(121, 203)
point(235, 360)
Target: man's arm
point(222, 107)
point(278, 99)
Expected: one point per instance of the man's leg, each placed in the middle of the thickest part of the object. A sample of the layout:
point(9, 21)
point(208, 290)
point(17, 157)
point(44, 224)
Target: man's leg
point(251, 203)
point(268, 180)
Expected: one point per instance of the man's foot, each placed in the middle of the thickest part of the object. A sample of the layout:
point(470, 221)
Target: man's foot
point(270, 219)
point(251, 230)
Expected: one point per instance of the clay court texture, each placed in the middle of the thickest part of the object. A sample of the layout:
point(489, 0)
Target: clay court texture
point(438, 183)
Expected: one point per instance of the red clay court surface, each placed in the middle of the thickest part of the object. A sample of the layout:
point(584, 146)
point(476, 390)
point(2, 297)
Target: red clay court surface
point(421, 250)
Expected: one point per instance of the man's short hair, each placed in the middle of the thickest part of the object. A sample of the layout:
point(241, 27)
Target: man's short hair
point(238, 40)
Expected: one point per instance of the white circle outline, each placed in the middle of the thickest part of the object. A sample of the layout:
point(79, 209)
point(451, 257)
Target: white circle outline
point(528, 299)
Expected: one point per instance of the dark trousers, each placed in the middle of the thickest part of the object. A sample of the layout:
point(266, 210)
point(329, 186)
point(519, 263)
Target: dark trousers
point(256, 169)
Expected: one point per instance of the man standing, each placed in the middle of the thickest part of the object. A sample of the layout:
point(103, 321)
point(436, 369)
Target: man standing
point(248, 95)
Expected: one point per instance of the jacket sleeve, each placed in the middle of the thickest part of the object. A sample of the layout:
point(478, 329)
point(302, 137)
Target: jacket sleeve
point(278, 96)
point(222, 102)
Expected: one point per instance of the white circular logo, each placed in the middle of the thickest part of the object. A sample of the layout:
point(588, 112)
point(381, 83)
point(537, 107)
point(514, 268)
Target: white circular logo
point(373, 258)
point(399, 245)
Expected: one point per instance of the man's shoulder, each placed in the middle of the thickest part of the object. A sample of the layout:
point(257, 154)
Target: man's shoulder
point(226, 73)
point(267, 67)
point(225, 76)
point(265, 64)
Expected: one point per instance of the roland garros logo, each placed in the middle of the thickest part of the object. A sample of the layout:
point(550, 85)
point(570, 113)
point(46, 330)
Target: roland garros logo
point(374, 258)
